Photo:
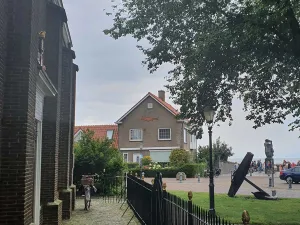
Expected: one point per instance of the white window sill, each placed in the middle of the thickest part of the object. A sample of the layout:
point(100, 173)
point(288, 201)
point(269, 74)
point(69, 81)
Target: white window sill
point(164, 139)
point(135, 140)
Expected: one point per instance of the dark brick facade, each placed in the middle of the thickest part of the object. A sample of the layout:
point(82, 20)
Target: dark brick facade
point(20, 24)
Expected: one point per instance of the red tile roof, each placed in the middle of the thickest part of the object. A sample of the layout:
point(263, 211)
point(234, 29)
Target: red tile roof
point(100, 131)
point(167, 105)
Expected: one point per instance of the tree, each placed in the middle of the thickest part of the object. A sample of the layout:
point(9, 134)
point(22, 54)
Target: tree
point(94, 155)
point(220, 50)
point(221, 151)
point(178, 157)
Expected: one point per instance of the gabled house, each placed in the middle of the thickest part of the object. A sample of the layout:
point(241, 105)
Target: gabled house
point(151, 128)
point(100, 132)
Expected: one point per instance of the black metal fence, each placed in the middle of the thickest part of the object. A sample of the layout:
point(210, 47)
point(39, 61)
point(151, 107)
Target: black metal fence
point(109, 189)
point(153, 205)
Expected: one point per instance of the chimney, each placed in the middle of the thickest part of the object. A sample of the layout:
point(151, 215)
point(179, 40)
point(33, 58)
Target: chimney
point(161, 95)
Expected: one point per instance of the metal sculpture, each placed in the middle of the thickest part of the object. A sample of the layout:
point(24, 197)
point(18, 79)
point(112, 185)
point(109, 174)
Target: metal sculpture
point(239, 176)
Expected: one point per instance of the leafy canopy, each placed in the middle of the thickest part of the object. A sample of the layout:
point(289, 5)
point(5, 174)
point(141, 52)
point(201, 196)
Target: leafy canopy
point(94, 155)
point(220, 150)
point(221, 49)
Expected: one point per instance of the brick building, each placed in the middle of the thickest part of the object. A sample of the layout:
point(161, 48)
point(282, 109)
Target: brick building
point(37, 104)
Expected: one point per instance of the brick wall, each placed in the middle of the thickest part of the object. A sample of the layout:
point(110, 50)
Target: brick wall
point(50, 145)
point(65, 115)
point(3, 33)
point(18, 122)
point(75, 69)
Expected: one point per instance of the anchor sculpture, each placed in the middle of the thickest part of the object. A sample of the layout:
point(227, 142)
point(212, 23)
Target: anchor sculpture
point(240, 175)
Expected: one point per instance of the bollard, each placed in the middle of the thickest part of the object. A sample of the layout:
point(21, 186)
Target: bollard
point(198, 177)
point(250, 172)
point(273, 193)
point(136, 174)
point(180, 178)
point(290, 183)
point(143, 175)
point(152, 181)
point(270, 181)
point(245, 217)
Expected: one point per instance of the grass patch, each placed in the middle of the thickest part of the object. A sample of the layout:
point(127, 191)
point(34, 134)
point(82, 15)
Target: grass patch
point(262, 212)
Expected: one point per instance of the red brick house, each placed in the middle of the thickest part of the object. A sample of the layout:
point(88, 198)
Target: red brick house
point(100, 132)
point(37, 111)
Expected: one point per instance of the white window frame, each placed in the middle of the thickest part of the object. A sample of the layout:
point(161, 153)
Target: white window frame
point(125, 153)
point(112, 134)
point(150, 105)
point(130, 139)
point(163, 139)
point(184, 135)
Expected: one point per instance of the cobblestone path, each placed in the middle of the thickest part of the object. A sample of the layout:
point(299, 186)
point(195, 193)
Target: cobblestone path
point(101, 213)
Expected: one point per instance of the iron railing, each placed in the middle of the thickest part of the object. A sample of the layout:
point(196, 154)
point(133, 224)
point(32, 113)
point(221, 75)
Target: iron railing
point(153, 205)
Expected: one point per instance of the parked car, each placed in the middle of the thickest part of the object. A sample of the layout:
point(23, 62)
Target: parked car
point(292, 173)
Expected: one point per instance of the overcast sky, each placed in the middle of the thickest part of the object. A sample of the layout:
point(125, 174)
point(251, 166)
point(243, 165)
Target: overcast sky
point(111, 80)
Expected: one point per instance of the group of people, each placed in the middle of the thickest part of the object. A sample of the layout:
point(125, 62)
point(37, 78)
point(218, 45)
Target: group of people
point(288, 165)
point(258, 166)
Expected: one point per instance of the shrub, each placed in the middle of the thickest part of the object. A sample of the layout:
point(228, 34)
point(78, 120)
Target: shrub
point(93, 156)
point(132, 165)
point(178, 157)
point(191, 170)
point(146, 160)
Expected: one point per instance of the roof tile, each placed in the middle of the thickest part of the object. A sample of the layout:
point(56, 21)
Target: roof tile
point(100, 131)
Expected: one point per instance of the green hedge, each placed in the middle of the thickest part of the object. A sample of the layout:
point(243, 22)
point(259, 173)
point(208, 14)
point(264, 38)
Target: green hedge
point(132, 165)
point(191, 170)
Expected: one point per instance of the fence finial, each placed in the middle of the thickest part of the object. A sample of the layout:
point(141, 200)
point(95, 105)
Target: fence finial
point(164, 186)
point(245, 217)
point(190, 195)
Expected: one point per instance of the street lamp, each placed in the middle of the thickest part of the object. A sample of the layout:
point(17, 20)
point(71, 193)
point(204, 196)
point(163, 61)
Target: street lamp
point(209, 117)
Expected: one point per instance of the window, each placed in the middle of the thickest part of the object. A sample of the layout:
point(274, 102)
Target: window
point(184, 136)
point(125, 157)
point(150, 105)
point(297, 169)
point(135, 135)
point(109, 134)
point(164, 134)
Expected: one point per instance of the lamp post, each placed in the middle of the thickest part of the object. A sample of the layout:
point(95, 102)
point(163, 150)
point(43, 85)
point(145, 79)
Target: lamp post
point(209, 117)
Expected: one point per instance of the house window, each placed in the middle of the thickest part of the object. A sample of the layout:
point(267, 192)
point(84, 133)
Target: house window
point(109, 134)
point(184, 136)
point(135, 135)
point(125, 157)
point(164, 134)
point(150, 105)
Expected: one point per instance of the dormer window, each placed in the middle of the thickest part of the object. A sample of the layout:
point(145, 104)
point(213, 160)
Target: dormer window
point(109, 134)
point(150, 105)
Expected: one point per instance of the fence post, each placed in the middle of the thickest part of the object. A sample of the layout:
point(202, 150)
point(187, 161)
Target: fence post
point(154, 205)
point(190, 208)
point(245, 217)
point(164, 186)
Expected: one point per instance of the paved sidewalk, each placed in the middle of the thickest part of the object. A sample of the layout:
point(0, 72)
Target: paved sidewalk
point(223, 182)
point(101, 213)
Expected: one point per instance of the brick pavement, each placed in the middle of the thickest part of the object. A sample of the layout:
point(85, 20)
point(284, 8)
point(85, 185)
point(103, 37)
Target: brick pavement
point(101, 213)
point(222, 185)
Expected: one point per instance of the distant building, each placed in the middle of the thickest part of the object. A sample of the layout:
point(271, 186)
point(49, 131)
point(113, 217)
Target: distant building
point(151, 127)
point(100, 132)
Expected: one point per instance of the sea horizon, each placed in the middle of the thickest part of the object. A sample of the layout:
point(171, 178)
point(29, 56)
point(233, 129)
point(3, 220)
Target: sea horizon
point(276, 160)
